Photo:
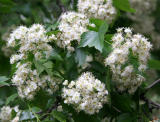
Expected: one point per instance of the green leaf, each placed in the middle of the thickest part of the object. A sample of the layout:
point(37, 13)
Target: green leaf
point(94, 39)
point(51, 28)
point(107, 49)
point(35, 109)
point(102, 30)
point(42, 66)
point(54, 55)
point(97, 22)
point(154, 64)
point(133, 60)
point(80, 56)
point(3, 80)
point(123, 5)
point(26, 115)
point(39, 66)
point(59, 116)
point(123, 102)
point(57, 74)
point(48, 65)
point(11, 98)
point(13, 114)
point(4, 84)
point(91, 39)
point(108, 38)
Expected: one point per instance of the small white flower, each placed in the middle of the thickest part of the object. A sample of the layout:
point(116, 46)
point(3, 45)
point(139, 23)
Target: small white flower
point(86, 93)
point(124, 44)
point(6, 114)
point(59, 108)
point(65, 82)
point(71, 84)
point(72, 25)
point(100, 9)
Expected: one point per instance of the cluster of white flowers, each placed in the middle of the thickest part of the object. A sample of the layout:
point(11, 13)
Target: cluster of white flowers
point(72, 25)
point(86, 93)
point(143, 19)
point(126, 47)
point(28, 81)
point(6, 114)
point(30, 41)
point(100, 9)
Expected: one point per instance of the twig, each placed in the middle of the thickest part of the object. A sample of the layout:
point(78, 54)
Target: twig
point(150, 86)
point(60, 5)
point(149, 102)
point(157, 105)
point(116, 109)
point(7, 85)
point(153, 84)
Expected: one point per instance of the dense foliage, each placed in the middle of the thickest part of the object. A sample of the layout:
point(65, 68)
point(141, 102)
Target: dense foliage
point(79, 60)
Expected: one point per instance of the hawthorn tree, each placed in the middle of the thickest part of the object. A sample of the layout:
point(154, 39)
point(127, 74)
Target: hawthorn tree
point(81, 67)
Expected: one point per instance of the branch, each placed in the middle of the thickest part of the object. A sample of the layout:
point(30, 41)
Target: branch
point(116, 109)
point(153, 84)
point(7, 85)
point(154, 104)
point(54, 106)
point(60, 5)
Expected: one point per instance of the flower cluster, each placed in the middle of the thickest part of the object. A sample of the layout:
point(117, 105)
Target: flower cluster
point(31, 42)
point(128, 59)
point(6, 114)
point(72, 25)
point(100, 9)
point(28, 81)
point(86, 93)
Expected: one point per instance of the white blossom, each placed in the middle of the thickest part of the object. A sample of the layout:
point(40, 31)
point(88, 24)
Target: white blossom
point(127, 46)
point(100, 9)
point(6, 114)
point(31, 41)
point(86, 93)
point(29, 82)
point(72, 25)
